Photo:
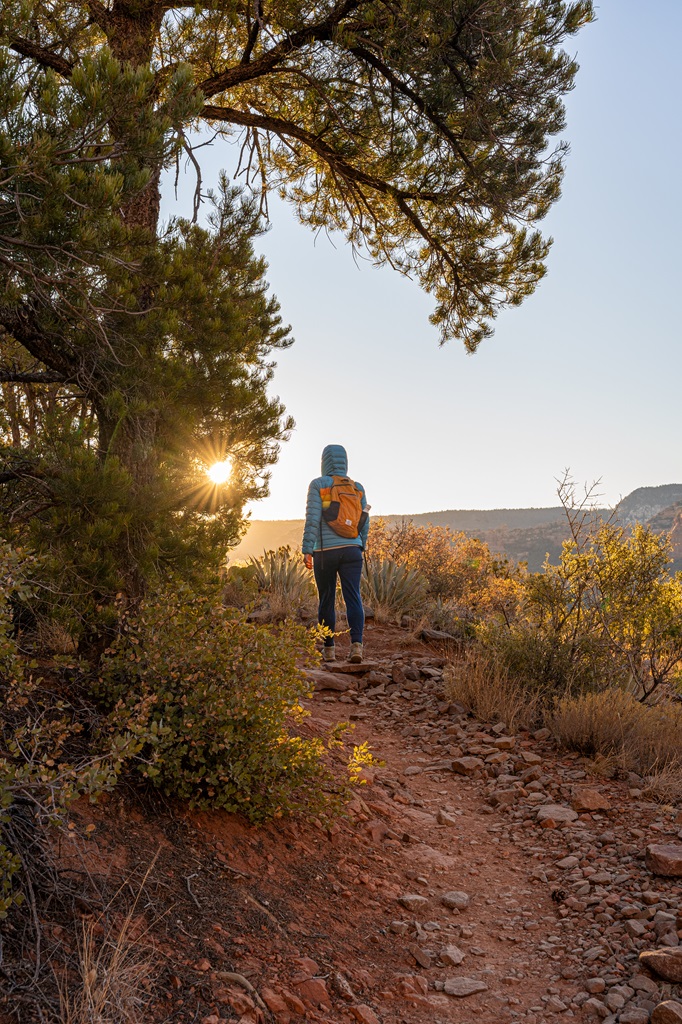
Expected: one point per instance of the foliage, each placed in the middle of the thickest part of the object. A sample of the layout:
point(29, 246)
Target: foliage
point(420, 130)
point(44, 762)
point(464, 579)
point(613, 723)
point(283, 582)
point(214, 699)
point(130, 360)
point(392, 589)
point(609, 613)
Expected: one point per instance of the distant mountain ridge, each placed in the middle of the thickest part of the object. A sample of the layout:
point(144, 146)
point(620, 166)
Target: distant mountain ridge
point(522, 534)
point(644, 503)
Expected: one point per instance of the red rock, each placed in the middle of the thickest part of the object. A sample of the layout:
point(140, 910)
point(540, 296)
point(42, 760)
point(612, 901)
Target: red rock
point(314, 991)
point(276, 1005)
point(668, 1012)
point(364, 1014)
point(293, 1002)
point(666, 963)
point(240, 1002)
point(466, 765)
point(304, 963)
point(664, 859)
point(589, 800)
point(411, 985)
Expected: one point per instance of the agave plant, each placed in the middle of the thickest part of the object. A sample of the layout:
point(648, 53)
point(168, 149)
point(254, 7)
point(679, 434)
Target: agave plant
point(392, 589)
point(283, 582)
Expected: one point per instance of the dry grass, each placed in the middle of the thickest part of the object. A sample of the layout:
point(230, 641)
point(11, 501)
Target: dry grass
point(113, 975)
point(485, 689)
point(111, 980)
point(612, 726)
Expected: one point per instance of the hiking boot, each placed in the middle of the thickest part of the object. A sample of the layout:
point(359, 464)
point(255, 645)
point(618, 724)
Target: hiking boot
point(355, 653)
point(329, 653)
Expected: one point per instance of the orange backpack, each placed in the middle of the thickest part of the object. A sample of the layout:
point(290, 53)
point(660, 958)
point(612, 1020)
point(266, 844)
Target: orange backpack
point(342, 507)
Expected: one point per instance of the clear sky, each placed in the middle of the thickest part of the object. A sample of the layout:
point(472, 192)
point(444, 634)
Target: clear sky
point(585, 374)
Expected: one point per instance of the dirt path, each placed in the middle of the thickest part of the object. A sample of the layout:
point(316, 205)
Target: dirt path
point(442, 898)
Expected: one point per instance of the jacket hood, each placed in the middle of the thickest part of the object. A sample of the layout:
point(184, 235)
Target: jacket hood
point(334, 461)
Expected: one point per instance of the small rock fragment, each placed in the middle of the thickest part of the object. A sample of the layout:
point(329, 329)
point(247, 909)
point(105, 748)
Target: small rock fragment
point(556, 812)
point(412, 901)
point(452, 956)
point(589, 800)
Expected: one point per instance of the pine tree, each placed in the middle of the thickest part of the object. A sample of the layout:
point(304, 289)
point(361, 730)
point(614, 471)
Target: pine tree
point(419, 128)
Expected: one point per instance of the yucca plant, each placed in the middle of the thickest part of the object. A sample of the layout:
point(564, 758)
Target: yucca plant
point(283, 582)
point(392, 589)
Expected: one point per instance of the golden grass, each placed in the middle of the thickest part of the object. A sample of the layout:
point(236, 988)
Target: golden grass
point(487, 691)
point(612, 726)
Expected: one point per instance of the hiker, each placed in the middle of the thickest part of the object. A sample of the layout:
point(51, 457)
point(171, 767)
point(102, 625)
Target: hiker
point(334, 538)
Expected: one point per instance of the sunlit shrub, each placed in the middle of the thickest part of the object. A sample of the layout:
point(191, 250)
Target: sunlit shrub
point(608, 614)
point(456, 568)
point(216, 700)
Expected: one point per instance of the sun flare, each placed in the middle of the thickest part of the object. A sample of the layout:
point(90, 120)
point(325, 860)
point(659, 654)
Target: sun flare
point(220, 472)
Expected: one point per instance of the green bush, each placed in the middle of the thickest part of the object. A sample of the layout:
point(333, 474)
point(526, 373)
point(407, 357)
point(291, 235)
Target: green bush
point(214, 699)
point(609, 614)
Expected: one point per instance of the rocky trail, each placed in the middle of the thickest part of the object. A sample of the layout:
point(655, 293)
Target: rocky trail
point(479, 877)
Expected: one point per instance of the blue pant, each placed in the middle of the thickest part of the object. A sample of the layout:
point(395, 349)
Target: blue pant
point(346, 563)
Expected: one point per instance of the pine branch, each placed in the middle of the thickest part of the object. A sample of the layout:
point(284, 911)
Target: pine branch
point(10, 375)
point(47, 59)
point(247, 72)
point(339, 165)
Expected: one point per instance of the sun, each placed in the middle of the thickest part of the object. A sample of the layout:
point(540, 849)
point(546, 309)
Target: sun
point(220, 472)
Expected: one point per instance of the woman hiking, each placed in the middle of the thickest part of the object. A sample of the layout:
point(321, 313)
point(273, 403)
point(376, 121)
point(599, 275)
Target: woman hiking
point(334, 538)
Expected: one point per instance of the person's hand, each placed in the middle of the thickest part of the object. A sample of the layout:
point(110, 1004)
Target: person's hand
point(308, 561)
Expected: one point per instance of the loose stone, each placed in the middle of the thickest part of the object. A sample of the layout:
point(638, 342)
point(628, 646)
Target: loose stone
point(462, 987)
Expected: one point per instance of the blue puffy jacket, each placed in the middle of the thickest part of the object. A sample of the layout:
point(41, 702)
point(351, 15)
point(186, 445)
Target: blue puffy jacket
point(317, 535)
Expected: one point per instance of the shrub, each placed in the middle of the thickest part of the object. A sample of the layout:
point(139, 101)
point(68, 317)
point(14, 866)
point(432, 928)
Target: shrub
point(44, 765)
point(608, 613)
point(613, 723)
point(213, 698)
point(392, 589)
point(493, 696)
point(283, 582)
point(456, 568)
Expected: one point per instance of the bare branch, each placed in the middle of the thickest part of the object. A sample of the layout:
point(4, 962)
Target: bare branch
point(47, 59)
point(13, 376)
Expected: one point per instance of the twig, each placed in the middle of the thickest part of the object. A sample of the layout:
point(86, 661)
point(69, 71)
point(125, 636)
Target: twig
point(189, 887)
